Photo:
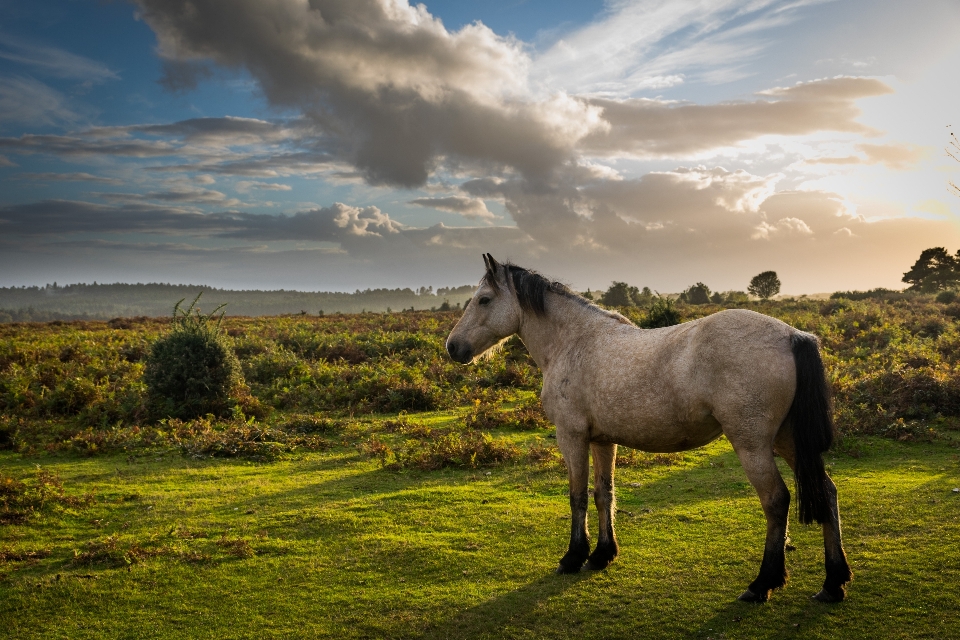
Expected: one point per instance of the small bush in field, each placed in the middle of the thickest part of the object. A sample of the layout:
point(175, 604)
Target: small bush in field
point(662, 313)
point(192, 371)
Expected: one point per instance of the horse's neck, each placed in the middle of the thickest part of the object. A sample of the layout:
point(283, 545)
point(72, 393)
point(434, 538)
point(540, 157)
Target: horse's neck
point(565, 324)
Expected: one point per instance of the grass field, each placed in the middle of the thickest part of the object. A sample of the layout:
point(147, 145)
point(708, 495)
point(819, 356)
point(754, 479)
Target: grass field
point(331, 545)
point(367, 487)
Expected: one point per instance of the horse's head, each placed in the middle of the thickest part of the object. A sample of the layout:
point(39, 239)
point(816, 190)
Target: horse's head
point(492, 315)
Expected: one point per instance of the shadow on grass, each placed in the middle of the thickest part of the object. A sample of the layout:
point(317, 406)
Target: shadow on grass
point(515, 610)
point(756, 621)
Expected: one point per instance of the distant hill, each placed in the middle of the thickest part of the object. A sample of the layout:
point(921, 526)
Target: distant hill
point(106, 301)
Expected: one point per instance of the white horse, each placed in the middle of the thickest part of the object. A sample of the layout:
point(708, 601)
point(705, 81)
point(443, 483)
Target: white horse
point(606, 382)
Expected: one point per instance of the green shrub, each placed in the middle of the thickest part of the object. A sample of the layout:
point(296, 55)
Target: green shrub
point(696, 294)
point(662, 313)
point(946, 297)
point(192, 371)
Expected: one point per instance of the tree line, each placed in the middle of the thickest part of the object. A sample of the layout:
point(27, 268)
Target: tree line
point(764, 285)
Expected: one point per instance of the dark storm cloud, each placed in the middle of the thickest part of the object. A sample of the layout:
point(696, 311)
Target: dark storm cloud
point(392, 88)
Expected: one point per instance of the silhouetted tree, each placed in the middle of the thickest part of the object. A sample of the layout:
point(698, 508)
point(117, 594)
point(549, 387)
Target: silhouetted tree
point(765, 285)
point(935, 270)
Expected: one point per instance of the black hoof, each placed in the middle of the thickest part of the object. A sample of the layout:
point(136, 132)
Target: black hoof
point(830, 595)
point(598, 564)
point(562, 569)
point(602, 556)
point(750, 596)
point(573, 559)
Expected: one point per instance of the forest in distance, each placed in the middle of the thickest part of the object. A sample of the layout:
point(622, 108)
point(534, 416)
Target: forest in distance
point(106, 301)
point(935, 271)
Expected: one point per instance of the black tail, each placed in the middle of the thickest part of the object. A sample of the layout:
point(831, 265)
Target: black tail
point(811, 415)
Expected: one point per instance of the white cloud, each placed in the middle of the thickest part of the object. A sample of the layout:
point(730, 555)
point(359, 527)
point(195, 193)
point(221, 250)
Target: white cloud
point(244, 186)
point(53, 61)
point(470, 208)
point(27, 101)
point(656, 128)
point(652, 44)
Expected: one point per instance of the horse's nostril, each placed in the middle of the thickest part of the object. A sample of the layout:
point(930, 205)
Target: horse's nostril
point(452, 349)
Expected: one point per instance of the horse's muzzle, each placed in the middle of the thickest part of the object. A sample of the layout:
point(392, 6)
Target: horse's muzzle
point(460, 351)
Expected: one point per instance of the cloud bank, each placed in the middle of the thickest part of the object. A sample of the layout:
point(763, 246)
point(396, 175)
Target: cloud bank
point(379, 94)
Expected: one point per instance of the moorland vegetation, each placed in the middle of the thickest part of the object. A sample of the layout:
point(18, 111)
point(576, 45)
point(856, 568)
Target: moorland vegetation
point(352, 481)
point(893, 360)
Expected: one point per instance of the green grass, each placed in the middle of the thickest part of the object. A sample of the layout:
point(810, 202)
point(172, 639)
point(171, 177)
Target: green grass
point(331, 545)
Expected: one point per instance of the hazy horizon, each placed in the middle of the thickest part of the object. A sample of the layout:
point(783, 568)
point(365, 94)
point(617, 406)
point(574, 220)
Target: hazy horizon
point(335, 146)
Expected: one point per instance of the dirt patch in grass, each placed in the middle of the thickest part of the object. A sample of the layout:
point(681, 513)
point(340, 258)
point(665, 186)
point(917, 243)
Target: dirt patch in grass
point(236, 547)
point(111, 552)
point(9, 555)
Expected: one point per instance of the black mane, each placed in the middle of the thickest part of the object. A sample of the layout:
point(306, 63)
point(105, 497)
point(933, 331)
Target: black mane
point(532, 289)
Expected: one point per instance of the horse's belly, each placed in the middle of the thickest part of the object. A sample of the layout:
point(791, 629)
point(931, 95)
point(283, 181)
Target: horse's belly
point(659, 438)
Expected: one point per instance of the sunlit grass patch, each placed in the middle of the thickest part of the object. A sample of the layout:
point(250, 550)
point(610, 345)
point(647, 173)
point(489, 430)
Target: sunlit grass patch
point(348, 549)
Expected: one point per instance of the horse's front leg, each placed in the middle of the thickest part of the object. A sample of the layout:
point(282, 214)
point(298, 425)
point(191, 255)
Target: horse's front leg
point(604, 459)
point(575, 450)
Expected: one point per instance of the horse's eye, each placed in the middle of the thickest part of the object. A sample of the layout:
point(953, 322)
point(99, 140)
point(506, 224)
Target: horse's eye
point(484, 300)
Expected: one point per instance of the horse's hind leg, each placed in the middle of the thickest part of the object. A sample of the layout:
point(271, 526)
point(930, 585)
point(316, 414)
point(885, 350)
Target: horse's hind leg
point(604, 459)
point(576, 455)
point(835, 559)
point(763, 474)
point(838, 569)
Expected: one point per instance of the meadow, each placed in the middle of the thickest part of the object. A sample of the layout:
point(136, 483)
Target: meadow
point(365, 486)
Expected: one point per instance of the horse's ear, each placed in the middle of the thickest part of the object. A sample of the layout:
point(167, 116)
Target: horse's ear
point(486, 262)
point(492, 265)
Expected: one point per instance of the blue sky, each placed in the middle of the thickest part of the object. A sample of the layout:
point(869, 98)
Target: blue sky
point(337, 145)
